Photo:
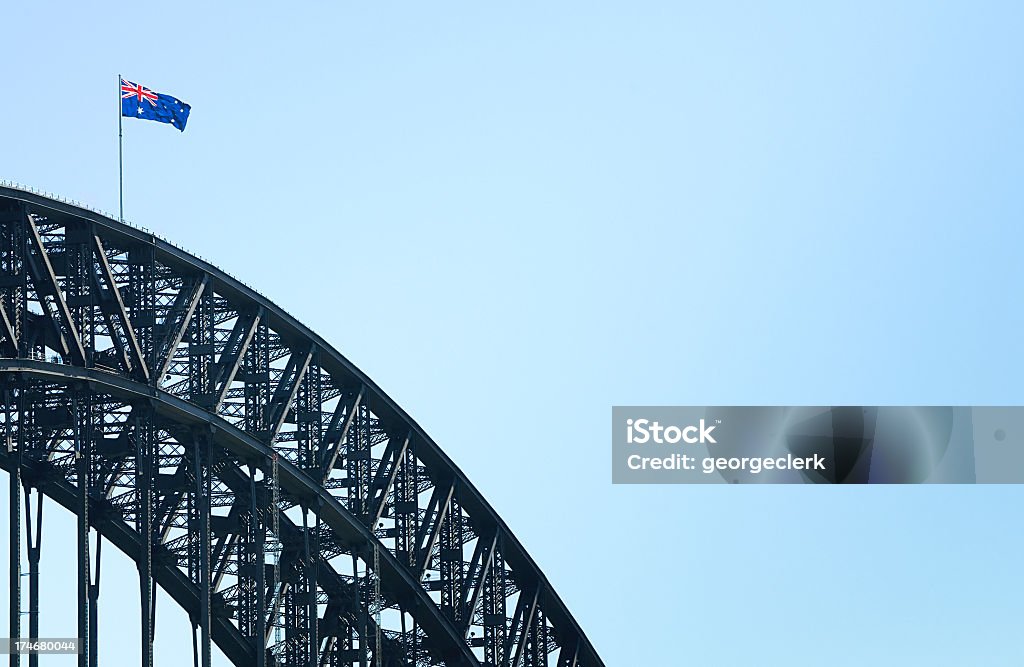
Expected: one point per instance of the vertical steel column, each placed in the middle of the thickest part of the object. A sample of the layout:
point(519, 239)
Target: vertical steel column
point(495, 621)
point(452, 575)
point(569, 657)
point(203, 488)
point(14, 553)
point(34, 547)
point(307, 568)
point(144, 489)
point(83, 450)
point(275, 522)
point(364, 613)
point(258, 534)
point(94, 595)
point(377, 604)
point(312, 562)
point(539, 641)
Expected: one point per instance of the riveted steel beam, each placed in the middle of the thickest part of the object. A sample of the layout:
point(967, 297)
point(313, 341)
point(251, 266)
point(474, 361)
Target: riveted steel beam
point(384, 478)
point(176, 325)
point(284, 393)
point(348, 528)
point(337, 431)
point(430, 528)
point(45, 281)
point(232, 356)
point(10, 338)
point(138, 358)
point(158, 283)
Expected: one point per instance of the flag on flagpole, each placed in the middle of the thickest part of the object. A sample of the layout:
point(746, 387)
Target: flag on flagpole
point(137, 101)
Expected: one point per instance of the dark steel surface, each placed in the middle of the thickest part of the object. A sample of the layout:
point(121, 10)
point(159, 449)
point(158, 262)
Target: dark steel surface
point(277, 494)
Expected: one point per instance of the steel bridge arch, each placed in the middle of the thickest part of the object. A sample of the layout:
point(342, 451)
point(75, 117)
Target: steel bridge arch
point(283, 491)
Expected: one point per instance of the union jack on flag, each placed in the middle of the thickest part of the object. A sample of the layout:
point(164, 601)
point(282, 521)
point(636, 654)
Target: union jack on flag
point(137, 101)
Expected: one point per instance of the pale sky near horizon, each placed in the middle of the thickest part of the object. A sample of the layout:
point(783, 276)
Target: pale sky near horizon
point(514, 216)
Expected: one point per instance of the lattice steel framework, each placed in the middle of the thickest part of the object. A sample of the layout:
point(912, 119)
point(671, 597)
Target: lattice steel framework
point(281, 498)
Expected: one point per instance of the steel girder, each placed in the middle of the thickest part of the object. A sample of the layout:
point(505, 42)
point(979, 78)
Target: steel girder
point(290, 506)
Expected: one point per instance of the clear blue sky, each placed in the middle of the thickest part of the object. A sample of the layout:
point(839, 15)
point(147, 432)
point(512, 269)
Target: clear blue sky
point(558, 207)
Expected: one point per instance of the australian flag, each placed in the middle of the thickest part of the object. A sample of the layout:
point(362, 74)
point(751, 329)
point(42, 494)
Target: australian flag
point(138, 101)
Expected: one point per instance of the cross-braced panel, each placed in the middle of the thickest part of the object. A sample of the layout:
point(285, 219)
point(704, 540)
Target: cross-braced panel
point(296, 512)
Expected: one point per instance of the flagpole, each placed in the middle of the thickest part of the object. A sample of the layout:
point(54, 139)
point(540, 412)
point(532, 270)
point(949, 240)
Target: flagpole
point(120, 167)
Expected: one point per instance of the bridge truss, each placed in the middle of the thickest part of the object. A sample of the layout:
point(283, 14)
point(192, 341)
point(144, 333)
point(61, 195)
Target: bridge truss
point(295, 512)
